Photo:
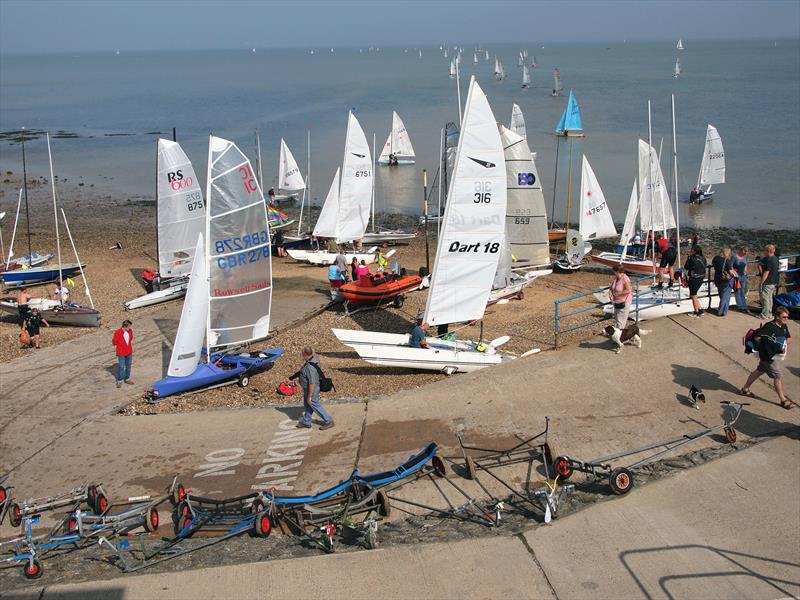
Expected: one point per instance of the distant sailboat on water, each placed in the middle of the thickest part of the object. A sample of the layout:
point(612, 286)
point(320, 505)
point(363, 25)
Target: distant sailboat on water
point(676, 71)
point(517, 124)
point(398, 149)
point(679, 46)
point(557, 85)
point(526, 77)
point(712, 169)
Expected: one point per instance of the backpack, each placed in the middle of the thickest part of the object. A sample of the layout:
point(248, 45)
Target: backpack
point(287, 388)
point(749, 342)
point(325, 383)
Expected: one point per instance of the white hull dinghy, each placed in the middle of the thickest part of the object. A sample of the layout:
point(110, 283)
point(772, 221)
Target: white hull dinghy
point(176, 289)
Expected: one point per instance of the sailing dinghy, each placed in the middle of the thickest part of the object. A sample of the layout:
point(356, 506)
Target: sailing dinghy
point(398, 149)
point(712, 168)
point(180, 216)
point(290, 180)
point(517, 124)
point(229, 297)
point(466, 260)
point(526, 77)
point(557, 85)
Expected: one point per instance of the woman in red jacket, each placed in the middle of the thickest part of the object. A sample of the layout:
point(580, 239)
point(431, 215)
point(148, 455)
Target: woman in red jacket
point(123, 340)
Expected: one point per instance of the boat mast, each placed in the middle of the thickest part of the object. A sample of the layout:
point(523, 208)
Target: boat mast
point(25, 187)
point(258, 159)
point(208, 252)
point(158, 252)
point(75, 251)
point(555, 184)
point(458, 90)
point(373, 183)
point(308, 167)
point(14, 231)
point(650, 171)
point(439, 206)
point(675, 176)
point(302, 204)
point(569, 189)
point(55, 218)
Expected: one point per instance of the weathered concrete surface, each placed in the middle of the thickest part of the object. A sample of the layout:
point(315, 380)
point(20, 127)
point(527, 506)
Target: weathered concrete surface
point(726, 529)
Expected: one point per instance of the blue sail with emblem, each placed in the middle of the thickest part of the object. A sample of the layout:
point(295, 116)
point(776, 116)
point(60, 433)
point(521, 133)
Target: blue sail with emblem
point(237, 283)
point(570, 122)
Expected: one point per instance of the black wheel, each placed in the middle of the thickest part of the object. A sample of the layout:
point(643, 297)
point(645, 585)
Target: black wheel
point(398, 301)
point(438, 466)
point(549, 452)
point(178, 494)
point(91, 496)
point(15, 515)
point(469, 467)
point(562, 466)
point(183, 522)
point(730, 435)
point(32, 569)
point(384, 506)
point(100, 503)
point(182, 509)
point(263, 525)
point(621, 481)
point(151, 519)
point(244, 380)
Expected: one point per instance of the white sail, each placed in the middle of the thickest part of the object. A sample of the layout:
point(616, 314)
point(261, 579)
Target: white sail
point(398, 142)
point(188, 347)
point(526, 216)
point(629, 228)
point(474, 219)
point(475, 58)
point(238, 249)
point(452, 67)
point(655, 209)
point(355, 192)
point(679, 45)
point(676, 71)
point(496, 66)
point(596, 221)
point(526, 76)
point(486, 56)
point(289, 177)
point(181, 210)
point(502, 72)
point(326, 222)
point(517, 124)
point(712, 169)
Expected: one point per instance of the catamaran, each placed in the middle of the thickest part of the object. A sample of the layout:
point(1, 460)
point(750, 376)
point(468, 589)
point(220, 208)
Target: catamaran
point(712, 168)
point(398, 149)
point(180, 216)
point(229, 298)
point(466, 259)
point(346, 211)
point(557, 85)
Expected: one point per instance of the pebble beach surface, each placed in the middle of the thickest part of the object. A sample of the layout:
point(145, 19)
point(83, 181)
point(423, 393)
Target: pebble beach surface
point(99, 219)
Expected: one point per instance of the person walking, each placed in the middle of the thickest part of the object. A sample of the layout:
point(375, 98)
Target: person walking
point(724, 277)
point(123, 340)
point(32, 323)
point(740, 286)
point(773, 341)
point(695, 268)
point(309, 376)
point(620, 294)
point(770, 278)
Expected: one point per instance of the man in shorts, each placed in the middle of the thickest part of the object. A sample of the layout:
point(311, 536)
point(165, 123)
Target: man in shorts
point(773, 341)
point(668, 257)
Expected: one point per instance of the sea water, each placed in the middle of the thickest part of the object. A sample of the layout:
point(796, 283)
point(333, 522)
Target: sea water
point(111, 108)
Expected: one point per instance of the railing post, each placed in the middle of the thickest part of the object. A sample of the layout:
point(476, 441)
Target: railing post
point(636, 312)
point(555, 332)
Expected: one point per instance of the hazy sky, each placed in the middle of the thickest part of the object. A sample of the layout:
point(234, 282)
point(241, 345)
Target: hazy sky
point(101, 25)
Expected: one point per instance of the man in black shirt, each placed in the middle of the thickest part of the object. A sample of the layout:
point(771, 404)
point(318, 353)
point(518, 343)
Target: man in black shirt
point(668, 258)
point(770, 278)
point(773, 341)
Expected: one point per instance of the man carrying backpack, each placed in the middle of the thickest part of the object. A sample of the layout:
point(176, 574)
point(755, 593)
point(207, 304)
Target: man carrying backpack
point(310, 375)
point(773, 340)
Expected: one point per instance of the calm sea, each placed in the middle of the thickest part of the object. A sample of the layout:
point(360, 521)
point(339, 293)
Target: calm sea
point(750, 90)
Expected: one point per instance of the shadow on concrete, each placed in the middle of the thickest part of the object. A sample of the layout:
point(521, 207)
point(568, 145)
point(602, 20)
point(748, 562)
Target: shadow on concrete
point(687, 376)
point(104, 593)
point(666, 556)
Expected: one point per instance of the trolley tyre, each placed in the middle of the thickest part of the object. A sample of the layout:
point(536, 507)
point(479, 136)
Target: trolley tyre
point(384, 506)
point(15, 515)
point(439, 468)
point(398, 301)
point(183, 521)
point(549, 452)
point(243, 381)
point(730, 435)
point(178, 494)
point(71, 526)
point(621, 481)
point(263, 525)
point(183, 509)
point(562, 466)
point(100, 503)
point(470, 468)
point(151, 519)
point(32, 570)
point(91, 495)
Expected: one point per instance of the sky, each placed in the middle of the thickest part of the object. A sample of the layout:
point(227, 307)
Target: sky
point(46, 26)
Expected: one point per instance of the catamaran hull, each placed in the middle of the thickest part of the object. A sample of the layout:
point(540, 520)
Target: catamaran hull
point(158, 296)
point(221, 369)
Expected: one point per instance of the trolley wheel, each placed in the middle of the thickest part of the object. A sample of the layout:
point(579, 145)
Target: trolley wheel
point(438, 466)
point(470, 468)
point(151, 519)
point(183, 509)
point(263, 525)
point(178, 494)
point(562, 467)
point(730, 435)
point(3, 495)
point(183, 521)
point(398, 301)
point(550, 453)
point(384, 506)
point(100, 503)
point(71, 526)
point(91, 495)
point(15, 515)
point(621, 481)
point(244, 381)
point(32, 570)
